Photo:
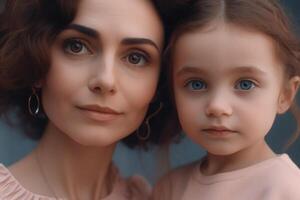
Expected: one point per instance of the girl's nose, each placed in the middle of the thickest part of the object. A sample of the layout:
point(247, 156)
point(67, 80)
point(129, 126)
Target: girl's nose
point(218, 105)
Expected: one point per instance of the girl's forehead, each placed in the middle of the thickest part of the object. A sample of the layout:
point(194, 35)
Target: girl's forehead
point(226, 45)
point(223, 41)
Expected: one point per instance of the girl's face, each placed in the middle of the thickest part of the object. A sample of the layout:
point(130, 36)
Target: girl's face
point(104, 71)
point(228, 87)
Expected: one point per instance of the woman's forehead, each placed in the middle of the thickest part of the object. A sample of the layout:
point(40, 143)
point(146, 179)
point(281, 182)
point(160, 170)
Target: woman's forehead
point(129, 17)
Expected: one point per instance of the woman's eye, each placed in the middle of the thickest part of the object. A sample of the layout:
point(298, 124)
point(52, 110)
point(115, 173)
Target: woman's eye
point(76, 47)
point(196, 85)
point(136, 59)
point(245, 85)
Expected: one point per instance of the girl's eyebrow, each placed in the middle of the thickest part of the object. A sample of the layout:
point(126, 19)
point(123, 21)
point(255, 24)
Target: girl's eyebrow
point(190, 70)
point(234, 70)
point(249, 69)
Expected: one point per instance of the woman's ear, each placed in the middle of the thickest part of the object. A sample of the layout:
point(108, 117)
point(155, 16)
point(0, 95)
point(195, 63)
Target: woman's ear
point(288, 94)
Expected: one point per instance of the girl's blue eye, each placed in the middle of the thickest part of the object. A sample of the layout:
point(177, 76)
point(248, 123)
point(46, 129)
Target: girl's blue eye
point(76, 47)
point(136, 59)
point(196, 85)
point(245, 85)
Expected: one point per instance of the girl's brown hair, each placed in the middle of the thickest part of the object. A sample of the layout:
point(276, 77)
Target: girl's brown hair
point(265, 16)
point(28, 28)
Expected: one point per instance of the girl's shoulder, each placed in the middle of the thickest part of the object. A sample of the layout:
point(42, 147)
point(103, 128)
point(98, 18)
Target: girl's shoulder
point(284, 175)
point(173, 184)
point(279, 170)
point(280, 180)
point(288, 164)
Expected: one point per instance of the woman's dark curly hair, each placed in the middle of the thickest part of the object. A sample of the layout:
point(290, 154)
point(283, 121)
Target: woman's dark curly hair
point(27, 29)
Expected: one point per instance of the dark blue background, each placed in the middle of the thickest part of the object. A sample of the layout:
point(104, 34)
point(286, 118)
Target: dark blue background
point(14, 146)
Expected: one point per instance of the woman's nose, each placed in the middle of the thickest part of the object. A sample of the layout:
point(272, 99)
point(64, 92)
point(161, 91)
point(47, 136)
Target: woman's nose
point(103, 78)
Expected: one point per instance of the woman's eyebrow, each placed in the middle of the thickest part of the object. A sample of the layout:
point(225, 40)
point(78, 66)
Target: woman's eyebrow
point(126, 41)
point(141, 41)
point(84, 30)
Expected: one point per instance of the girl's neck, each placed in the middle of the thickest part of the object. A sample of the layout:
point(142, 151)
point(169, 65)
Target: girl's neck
point(214, 164)
point(73, 170)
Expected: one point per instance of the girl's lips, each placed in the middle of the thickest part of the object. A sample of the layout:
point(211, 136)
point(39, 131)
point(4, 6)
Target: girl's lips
point(218, 132)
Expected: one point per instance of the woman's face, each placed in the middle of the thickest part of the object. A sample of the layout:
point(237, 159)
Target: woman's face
point(104, 71)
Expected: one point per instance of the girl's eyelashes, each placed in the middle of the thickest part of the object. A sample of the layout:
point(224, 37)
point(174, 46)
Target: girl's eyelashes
point(200, 85)
point(137, 58)
point(245, 84)
point(75, 46)
point(195, 85)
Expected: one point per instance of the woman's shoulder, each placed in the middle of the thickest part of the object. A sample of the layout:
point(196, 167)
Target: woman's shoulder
point(135, 187)
point(139, 187)
point(10, 188)
point(173, 184)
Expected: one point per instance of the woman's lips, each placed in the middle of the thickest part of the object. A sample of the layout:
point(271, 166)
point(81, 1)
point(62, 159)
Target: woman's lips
point(98, 113)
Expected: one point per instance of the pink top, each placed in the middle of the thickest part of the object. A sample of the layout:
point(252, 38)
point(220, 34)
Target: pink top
point(135, 188)
point(273, 179)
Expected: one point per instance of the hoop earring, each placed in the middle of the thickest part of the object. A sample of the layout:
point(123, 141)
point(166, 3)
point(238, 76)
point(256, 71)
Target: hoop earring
point(33, 103)
point(147, 124)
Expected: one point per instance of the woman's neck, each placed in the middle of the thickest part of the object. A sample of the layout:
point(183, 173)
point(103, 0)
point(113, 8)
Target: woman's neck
point(214, 164)
point(73, 170)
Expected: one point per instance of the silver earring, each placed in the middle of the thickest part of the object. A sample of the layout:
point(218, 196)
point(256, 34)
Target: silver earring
point(33, 103)
point(146, 135)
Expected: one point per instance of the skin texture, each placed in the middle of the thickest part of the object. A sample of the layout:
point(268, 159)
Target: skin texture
point(113, 62)
point(229, 86)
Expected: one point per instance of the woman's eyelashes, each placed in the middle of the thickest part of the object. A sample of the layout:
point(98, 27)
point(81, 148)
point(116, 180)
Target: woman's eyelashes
point(137, 58)
point(79, 48)
point(76, 47)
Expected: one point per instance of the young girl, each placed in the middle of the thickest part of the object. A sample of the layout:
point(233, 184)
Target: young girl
point(234, 65)
point(80, 76)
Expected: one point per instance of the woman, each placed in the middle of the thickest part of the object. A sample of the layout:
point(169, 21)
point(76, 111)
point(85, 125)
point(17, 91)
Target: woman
point(80, 75)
